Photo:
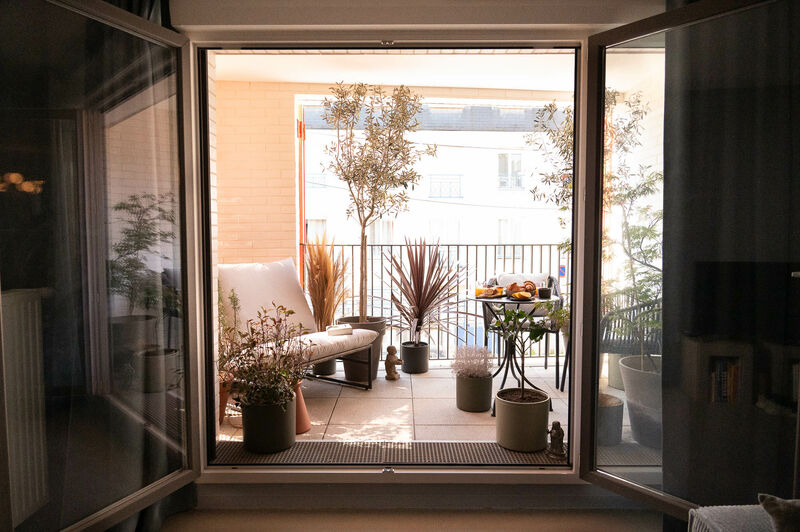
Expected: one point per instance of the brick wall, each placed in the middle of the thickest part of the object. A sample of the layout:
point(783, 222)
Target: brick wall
point(256, 163)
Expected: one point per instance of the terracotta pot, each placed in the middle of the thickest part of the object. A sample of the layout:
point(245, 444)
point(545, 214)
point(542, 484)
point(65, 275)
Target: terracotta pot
point(224, 393)
point(303, 422)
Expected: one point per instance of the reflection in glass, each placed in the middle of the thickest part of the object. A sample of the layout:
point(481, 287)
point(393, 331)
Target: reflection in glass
point(700, 315)
point(90, 264)
point(629, 407)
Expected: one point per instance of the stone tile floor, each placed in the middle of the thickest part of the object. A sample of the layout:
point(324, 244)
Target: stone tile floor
point(418, 407)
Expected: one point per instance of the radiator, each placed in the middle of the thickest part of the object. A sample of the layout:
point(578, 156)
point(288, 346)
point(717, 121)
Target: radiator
point(24, 399)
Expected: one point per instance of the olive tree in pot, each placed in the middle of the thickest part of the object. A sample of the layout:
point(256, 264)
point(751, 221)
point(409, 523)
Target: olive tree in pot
point(473, 368)
point(149, 221)
point(373, 155)
point(522, 413)
point(427, 284)
point(266, 367)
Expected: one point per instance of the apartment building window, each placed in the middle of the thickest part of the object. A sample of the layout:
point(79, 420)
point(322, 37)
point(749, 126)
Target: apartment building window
point(445, 186)
point(316, 180)
point(315, 228)
point(509, 170)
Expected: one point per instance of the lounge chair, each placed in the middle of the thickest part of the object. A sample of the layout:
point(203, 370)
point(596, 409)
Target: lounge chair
point(260, 284)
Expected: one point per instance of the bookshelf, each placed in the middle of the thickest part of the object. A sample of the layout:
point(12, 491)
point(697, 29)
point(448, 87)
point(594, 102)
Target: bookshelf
point(717, 371)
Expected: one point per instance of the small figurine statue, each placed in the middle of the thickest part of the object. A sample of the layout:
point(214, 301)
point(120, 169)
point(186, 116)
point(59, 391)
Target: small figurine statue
point(392, 360)
point(556, 447)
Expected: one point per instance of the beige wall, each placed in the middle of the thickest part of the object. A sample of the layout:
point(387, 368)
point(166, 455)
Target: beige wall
point(257, 183)
point(257, 203)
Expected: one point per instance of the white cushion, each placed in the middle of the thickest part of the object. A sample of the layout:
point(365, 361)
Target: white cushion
point(324, 346)
point(505, 279)
point(259, 284)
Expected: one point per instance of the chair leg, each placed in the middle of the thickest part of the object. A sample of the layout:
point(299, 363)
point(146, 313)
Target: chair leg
point(567, 363)
point(369, 369)
point(546, 349)
point(557, 353)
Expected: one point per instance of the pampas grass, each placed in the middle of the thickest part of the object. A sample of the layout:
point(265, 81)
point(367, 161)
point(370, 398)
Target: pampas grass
point(325, 276)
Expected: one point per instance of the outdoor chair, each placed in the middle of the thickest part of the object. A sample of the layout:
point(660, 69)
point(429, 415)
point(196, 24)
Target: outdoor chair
point(260, 284)
point(616, 338)
point(541, 279)
point(615, 332)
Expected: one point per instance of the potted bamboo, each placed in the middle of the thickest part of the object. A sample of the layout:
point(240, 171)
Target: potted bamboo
point(473, 368)
point(374, 157)
point(148, 222)
point(426, 286)
point(522, 413)
point(325, 281)
point(228, 343)
point(266, 368)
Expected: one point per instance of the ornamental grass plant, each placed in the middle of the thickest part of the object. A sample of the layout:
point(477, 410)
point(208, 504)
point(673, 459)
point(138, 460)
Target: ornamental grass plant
point(325, 274)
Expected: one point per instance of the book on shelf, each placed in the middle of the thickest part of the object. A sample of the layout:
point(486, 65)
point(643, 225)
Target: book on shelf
point(725, 376)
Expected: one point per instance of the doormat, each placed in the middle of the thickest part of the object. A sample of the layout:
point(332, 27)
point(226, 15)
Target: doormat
point(384, 453)
point(628, 454)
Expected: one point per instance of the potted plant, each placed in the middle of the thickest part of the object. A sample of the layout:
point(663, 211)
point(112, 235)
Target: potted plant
point(266, 366)
point(325, 281)
point(374, 157)
point(426, 287)
point(522, 413)
point(148, 220)
point(473, 368)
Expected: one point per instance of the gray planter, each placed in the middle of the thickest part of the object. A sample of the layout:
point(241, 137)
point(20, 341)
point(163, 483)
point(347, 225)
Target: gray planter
point(130, 334)
point(614, 375)
point(609, 419)
point(474, 394)
point(269, 428)
point(521, 426)
point(157, 369)
point(353, 371)
point(415, 357)
point(643, 395)
point(325, 368)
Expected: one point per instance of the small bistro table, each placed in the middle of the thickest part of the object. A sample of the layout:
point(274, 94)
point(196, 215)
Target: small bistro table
point(492, 306)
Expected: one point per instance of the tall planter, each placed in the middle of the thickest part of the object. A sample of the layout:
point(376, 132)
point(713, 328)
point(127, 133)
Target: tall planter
point(132, 333)
point(474, 394)
point(522, 426)
point(224, 394)
point(355, 371)
point(415, 357)
point(269, 428)
point(642, 378)
point(157, 369)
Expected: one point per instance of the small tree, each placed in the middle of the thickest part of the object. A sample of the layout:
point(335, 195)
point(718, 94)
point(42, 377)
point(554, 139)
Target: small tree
point(149, 220)
point(373, 155)
point(623, 188)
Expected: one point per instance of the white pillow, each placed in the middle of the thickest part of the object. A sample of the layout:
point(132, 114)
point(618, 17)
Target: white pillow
point(259, 284)
point(505, 279)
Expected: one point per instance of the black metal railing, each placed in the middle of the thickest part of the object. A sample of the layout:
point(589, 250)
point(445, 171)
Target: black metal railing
point(481, 261)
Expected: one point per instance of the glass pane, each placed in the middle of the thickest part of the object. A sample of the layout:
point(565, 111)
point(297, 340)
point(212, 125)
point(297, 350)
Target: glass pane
point(490, 113)
point(698, 330)
point(90, 263)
